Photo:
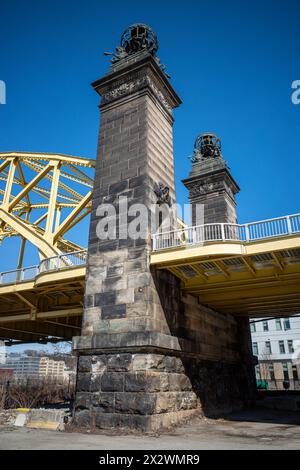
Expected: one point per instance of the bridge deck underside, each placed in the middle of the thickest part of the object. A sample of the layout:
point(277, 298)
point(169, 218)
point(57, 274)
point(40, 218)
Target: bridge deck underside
point(35, 313)
point(256, 279)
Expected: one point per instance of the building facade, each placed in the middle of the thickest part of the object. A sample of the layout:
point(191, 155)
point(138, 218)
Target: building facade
point(276, 343)
point(50, 369)
point(35, 367)
point(23, 366)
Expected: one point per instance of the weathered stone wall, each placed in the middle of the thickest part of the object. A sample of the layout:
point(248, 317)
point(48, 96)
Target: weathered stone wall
point(140, 391)
point(217, 206)
point(119, 286)
point(200, 362)
point(150, 391)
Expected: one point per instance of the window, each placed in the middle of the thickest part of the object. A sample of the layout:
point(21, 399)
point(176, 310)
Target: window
point(257, 372)
point(286, 324)
point(278, 325)
point(285, 371)
point(295, 372)
point(290, 346)
point(255, 349)
point(265, 326)
point(268, 347)
point(271, 372)
point(281, 347)
point(252, 327)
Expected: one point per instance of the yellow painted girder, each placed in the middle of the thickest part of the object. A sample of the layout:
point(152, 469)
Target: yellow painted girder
point(47, 167)
point(249, 287)
point(38, 166)
point(29, 186)
point(43, 192)
point(209, 251)
point(69, 159)
point(23, 229)
point(65, 226)
point(68, 312)
point(65, 187)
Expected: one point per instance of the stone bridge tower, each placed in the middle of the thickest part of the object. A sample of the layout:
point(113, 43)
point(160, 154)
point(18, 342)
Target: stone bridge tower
point(148, 355)
point(210, 183)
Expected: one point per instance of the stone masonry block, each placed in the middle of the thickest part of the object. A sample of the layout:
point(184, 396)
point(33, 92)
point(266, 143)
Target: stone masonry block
point(83, 401)
point(84, 364)
point(98, 364)
point(179, 382)
point(105, 298)
point(115, 270)
point(142, 382)
point(125, 296)
point(135, 403)
point(113, 311)
point(104, 402)
point(83, 382)
point(139, 280)
point(119, 362)
point(84, 419)
point(112, 382)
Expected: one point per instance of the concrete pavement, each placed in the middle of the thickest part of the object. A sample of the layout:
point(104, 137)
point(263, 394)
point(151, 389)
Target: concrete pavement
point(259, 429)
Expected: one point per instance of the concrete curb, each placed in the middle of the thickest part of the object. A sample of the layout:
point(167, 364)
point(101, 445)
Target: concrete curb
point(42, 419)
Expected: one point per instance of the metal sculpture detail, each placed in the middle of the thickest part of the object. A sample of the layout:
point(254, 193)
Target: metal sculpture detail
point(139, 37)
point(163, 194)
point(136, 38)
point(206, 146)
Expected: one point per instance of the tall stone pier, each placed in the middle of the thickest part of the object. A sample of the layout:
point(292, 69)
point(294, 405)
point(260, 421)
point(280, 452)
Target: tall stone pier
point(148, 356)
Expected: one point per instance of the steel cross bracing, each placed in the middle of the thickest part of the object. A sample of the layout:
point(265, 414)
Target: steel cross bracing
point(56, 185)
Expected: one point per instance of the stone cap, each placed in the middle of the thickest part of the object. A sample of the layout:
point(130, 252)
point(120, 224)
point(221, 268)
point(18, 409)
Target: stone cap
point(202, 167)
point(120, 81)
point(219, 172)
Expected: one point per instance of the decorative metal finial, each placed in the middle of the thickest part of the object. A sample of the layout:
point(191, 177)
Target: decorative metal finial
point(138, 37)
point(207, 145)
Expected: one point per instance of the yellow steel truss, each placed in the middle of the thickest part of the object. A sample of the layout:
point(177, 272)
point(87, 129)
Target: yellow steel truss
point(59, 182)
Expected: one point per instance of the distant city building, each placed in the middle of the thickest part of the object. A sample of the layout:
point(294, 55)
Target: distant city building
point(50, 369)
point(276, 343)
point(35, 367)
point(23, 366)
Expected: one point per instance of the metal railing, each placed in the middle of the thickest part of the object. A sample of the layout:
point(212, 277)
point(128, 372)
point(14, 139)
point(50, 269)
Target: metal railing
point(64, 261)
point(254, 231)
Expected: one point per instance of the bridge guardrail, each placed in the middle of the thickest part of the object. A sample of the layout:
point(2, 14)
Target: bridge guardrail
point(254, 231)
point(63, 261)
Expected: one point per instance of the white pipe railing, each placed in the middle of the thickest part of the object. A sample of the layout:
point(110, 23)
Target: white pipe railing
point(271, 228)
point(64, 261)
